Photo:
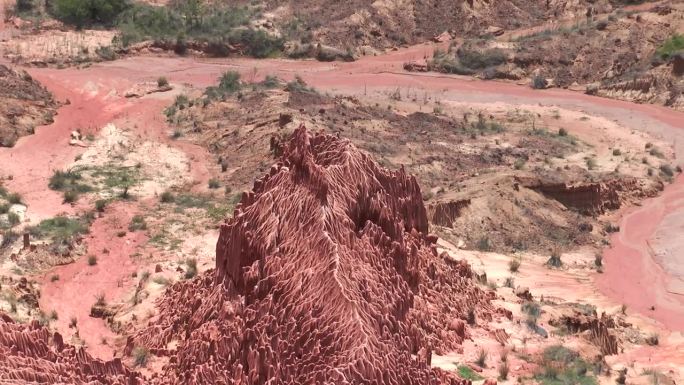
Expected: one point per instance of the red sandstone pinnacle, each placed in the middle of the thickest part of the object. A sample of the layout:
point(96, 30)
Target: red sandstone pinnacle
point(325, 275)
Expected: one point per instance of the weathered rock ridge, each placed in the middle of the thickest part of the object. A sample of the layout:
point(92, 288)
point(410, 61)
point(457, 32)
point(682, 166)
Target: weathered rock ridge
point(325, 274)
point(30, 354)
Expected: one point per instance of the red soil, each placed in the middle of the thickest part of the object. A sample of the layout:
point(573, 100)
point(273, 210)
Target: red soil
point(632, 276)
point(79, 283)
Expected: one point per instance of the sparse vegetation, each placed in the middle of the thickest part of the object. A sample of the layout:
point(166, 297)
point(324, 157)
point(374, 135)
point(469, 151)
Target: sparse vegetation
point(214, 183)
point(555, 260)
point(191, 268)
point(229, 83)
point(670, 47)
point(140, 356)
point(167, 197)
point(617, 152)
point(162, 82)
point(219, 28)
point(92, 260)
point(483, 244)
point(81, 13)
point(137, 223)
point(100, 205)
point(514, 265)
point(481, 359)
point(561, 365)
point(61, 229)
point(503, 371)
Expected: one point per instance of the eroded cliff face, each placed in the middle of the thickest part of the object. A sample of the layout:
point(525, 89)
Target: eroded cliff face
point(325, 275)
point(30, 354)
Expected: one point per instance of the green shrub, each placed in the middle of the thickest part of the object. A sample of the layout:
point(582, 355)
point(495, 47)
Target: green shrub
point(467, 373)
point(167, 197)
point(191, 271)
point(214, 183)
point(513, 265)
point(162, 82)
point(140, 356)
point(81, 13)
point(555, 260)
point(539, 82)
point(100, 205)
point(561, 365)
point(229, 83)
point(14, 198)
point(476, 59)
point(70, 196)
point(671, 46)
point(60, 228)
point(137, 223)
point(666, 170)
point(483, 244)
point(13, 219)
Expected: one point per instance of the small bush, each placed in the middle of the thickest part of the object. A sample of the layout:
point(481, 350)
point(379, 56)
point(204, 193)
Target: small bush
point(191, 271)
point(137, 223)
point(509, 282)
point(481, 359)
point(73, 322)
point(503, 371)
point(70, 196)
point(176, 134)
point(53, 315)
point(167, 197)
point(100, 205)
point(54, 278)
point(654, 151)
point(92, 260)
point(562, 132)
point(591, 163)
point(617, 152)
point(653, 339)
point(666, 170)
point(555, 260)
point(100, 300)
point(483, 244)
point(539, 82)
point(140, 356)
point(214, 183)
point(471, 317)
point(13, 219)
point(14, 199)
point(519, 164)
point(513, 265)
point(162, 82)
point(476, 59)
point(106, 53)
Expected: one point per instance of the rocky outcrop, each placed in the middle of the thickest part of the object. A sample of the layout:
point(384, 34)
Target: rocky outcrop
point(325, 274)
point(445, 213)
point(598, 329)
point(24, 104)
point(30, 354)
point(588, 198)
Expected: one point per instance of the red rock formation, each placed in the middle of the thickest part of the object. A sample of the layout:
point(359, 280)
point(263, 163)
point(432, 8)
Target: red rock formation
point(325, 274)
point(30, 354)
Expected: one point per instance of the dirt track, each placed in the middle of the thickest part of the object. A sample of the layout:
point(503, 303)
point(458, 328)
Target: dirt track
point(96, 98)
